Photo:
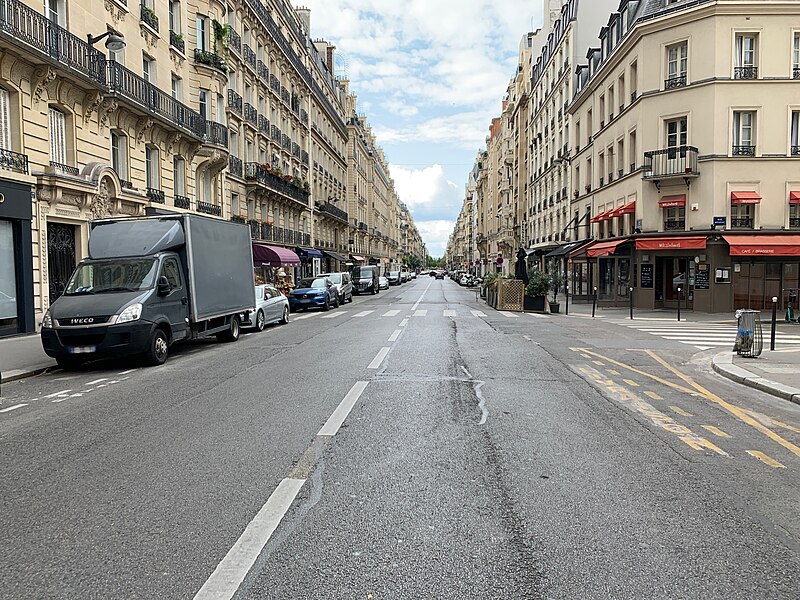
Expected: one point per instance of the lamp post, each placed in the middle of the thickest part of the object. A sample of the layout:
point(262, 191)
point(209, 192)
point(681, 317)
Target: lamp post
point(114, 41)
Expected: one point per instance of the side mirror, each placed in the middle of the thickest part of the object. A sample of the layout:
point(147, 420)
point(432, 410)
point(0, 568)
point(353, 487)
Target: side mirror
point(164, 287)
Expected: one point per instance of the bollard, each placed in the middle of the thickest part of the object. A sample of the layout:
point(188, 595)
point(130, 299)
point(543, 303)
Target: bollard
point(679, 304)
point(774, 318)
point(594, 302)
point(631, 300)
point(566, 295)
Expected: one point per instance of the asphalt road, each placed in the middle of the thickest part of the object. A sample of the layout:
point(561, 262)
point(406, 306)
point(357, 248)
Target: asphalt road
point(413, 444)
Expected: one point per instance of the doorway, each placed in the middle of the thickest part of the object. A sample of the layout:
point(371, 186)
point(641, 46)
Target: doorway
point(61, 259)
point(673, 273)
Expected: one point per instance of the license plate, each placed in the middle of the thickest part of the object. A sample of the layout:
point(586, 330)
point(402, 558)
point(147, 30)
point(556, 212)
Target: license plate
point(81, 349)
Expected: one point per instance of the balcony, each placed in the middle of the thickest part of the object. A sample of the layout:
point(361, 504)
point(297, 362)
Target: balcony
point(285, 95)
point(13, 161)
point(675, 82)
point(274, 84)
point(304, 157)
point(745, 72)
point(331, 210)
point(235, 166)
point(249, 56)
point(210, 59)
point(680, 161)
point(743, 151)
point(176, 41)
point(234, 41)
point(795, 150)
point(362, 226)
point(216, 134)
point(304, 116)
point(794, 222)
point(65, 169)
point(235, 102)
point(155, 195)
point(208, 208)
point(250, 114)
point(275, 134)
point(674, 225)
point(263, 125)
point(182, 202)
point(254, 172)
point(295, 150)
point(148, 16)
point(742, 222)
point(262, 70)
point(286, 142)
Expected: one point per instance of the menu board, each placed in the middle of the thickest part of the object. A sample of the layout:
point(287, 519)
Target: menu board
point(701, 277)
point(646, 278)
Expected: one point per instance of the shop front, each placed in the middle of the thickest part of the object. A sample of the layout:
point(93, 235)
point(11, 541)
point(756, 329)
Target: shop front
point(336, 263)
point(275, 265)
point(310, 261)
point(671, 270)
point(16, 260)
point(613, 269)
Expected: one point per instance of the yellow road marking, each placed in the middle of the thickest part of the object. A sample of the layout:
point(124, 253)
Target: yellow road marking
point(700, 443)
point(716, 431)
point(766, 459)
point(586, 356)
point(678, 410)
point(674, 386)
point(631, 382)
point(613, 372)
point(653, 395)
point(739, 413)
point(785, 426)
point(599, 363)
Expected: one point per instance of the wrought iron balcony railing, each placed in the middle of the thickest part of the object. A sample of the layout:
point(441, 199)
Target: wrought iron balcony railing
point(13, 161)
point(210, 59)
point(679, 161)
point(263, 124)
point(675, 82)
point(304, 116)
point(216, 133)
point(235, 102)
point(125, 184)
point(235, 165)
point(333, 211)
point(176, 41)
point(66, 169)
point(274, 84)
point(295, 150)
point(742, 222)
point(674, 225)
point(795, 150)
point(796, 73)
point(749, 72)
point(208, 208)
point(275, 133)
point(156, 195)
point(258, 173)
point(250, 114)
point(182, 202)
point(743, 151)
point(249, 56)
point(285, 95)
point(304, 157)
point(148, 17)
point(286, 142)
point(234, 41)
point(794, 222)
point(262, 70)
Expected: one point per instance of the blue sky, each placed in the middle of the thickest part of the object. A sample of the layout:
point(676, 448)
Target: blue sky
point(430, 75)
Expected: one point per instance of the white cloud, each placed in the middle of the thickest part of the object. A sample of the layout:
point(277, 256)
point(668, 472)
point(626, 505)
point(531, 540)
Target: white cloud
point(428, 194)
point(435, 235)
point(400, 108)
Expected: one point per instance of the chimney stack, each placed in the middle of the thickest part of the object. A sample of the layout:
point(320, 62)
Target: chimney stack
point(304, 14)
point(329, 58)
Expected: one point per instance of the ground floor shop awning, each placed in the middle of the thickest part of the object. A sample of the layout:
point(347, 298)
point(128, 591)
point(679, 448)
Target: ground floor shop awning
point(603, 248)
point(794, 197)
point(356, 257)
point(274, 256)
point(672, 201)
point(695, 242)
point(565, 249)
point(306, 253)
point(335, 256)
point(625, 209)
point(603, 216)
point(745, 198)
point(764, 245)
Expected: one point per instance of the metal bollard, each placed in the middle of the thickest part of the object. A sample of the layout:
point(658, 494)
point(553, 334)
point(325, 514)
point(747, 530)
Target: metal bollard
point(631, 300)
point(594, 302)
point(679, 304)
point(566, 295)
point(774, 324)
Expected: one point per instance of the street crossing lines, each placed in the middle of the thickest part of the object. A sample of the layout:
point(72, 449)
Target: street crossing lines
point(391, 313)
point(363, 313)
point(510, 315)
point(330, 316)
point(449, 313)
point(477, 313)
point(420, 313)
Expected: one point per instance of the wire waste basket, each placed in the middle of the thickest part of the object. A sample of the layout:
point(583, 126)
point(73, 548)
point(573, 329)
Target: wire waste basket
point(749, 336)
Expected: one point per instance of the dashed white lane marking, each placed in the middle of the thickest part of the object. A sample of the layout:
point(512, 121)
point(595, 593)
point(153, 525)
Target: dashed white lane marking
point(376, 362)
point(331, 316)
point(391, 313)
point(231, 571)
point(449, 313)
point(335, 421)
point(15, 407)
point(510, 315)
point(61, 393)
point(395, 335)
point(420, 313)
point(478, 313)
point(301, 317)
point(363, 313)
point(126, 372)
point(96, 381)
point(404, 322)
point(422, 296)
point(537, 316)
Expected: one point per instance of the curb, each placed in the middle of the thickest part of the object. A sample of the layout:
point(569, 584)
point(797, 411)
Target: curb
point(16, 374)
point(722, 363)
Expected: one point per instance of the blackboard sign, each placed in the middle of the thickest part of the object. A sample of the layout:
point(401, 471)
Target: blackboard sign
point(701, 277)
point(646, 279)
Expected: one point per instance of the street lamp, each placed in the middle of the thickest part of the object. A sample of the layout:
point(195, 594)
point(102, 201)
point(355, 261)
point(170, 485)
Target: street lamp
point(114, 41)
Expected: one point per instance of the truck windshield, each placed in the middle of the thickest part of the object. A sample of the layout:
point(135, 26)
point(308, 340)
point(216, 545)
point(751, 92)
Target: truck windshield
point(362, 273)
point(118, 275)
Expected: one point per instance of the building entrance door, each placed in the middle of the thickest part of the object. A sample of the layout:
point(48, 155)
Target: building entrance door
point(676, 273)
point(60, 257)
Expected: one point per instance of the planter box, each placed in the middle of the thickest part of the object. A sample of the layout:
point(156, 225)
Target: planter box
point(554, 307)
point(534, 303)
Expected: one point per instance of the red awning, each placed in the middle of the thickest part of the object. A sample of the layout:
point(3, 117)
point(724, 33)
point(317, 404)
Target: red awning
point(794, 197)
point(626, 209)
point(600, 217)
point(670, 201)
point(274, 256)
point(671, 243)
point(603, 248)
point(745, 198)
point(764, 245)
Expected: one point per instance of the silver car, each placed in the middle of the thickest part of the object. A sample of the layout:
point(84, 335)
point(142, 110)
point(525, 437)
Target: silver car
point(271, 307)
point(343, 283)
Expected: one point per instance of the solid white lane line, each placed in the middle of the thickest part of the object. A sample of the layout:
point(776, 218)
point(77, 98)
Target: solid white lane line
point(335, 421)
point(422, 296)
point(15, 407)
point(126, 372)
point(404, 322)
point(96, 381)
point(536, 316)
point(376, 362)
point(420, 313)
point(510, 315)
point(449, 313)
point(231, 571)
point(301, 317)
point(477, 313)
point(363, 313)
point(54, 394)
point(391, 313)
point(395, 335)
point(334, 315)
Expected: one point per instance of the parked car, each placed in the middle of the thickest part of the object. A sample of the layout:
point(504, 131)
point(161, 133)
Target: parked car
point(404, 276)
point(343, 283)
point(271, 307)
point(383, 283)
point(413, 274)
point(465, 279)
point(314, 292)
point(439, 275)
point(365, 279)
point(394, 277)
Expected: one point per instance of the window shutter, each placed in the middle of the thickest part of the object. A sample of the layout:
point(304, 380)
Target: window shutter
point(5, 120)
point(58, 137)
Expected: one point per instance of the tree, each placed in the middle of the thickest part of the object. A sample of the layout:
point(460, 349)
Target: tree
point(434, 263)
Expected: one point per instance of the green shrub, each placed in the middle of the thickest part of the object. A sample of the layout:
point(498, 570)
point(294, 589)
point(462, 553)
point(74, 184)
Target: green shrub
point(538, 284)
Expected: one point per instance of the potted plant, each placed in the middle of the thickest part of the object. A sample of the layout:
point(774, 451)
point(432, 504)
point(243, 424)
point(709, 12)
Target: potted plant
point(491, 284)
point(536, 290)
point(556, 281)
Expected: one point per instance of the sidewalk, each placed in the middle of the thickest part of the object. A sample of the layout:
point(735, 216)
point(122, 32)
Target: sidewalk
point(22, 357)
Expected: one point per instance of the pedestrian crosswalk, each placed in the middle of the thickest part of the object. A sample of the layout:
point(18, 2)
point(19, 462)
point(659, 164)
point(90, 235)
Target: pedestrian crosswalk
point(703, 336)
point(451, 312)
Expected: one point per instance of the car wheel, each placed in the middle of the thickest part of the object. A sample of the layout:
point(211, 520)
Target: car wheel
point(233, 332)
point(336, 302)
point(159, 348)
point(327, 303)
point(261, 321)
point(68, 363)
point(374, 291)
point(285, 318)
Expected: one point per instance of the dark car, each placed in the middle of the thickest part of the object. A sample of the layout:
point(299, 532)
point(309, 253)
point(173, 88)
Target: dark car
point(365, 280)
point(314, 292)
point(394, 277)
point(439, 274)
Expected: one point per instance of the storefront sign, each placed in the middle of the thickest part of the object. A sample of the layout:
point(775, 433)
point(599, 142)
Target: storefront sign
point(764, 245)
point(646, 276)
point(701, 277)
point(672, 243)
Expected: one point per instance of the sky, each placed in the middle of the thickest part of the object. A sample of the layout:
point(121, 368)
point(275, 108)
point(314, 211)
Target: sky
point(430, 75)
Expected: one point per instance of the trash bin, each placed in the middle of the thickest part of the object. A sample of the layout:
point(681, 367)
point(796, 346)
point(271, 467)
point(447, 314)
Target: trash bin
point(749, 336)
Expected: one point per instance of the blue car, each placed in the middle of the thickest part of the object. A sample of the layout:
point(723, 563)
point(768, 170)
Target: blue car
point(314, 292)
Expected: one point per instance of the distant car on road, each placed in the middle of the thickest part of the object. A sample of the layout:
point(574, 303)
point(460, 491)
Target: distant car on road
point(343, 283)
point(413, 274)
point(383, 283)
point(404, 277)
point(394, 277)
point(439, 275)
point(314, 292)
point(271, 307)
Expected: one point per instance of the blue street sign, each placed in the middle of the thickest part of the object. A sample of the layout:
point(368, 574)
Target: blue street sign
point(720, 221)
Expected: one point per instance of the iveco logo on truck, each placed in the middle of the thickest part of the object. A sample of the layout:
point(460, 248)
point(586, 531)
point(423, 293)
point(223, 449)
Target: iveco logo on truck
point(82, 321)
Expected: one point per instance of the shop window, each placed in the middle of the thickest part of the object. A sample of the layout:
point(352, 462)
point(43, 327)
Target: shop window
point(675, 218)
point(742, 216)
point(8, 279)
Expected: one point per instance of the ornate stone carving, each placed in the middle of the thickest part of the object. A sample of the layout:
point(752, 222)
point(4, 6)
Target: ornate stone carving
point(116, 12)
point(91, 102)
point(72, 199)
point(149, 37)
point(107, 106)
point(100, 205)
point(42, 77)
point(142, 127)
point(176, 57)
point(129, 208)
point(172, 141)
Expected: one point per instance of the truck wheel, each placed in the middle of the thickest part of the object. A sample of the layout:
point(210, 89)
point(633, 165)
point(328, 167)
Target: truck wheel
point(285, 318)
point(69, 363)
point(261, 321)
point(232, 334)
point(159, 348)
point(374, 291)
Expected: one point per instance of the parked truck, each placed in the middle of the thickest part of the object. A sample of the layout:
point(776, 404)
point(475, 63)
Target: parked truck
point(148, 283)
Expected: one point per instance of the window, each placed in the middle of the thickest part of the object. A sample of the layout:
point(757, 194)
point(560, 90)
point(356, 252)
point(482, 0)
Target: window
point(179, 175)
point(794, 216)
point(202, 33)
point(632, 150)
point(57, 12)
point(796, 57)
point(676, 131)
point(58, 136)
point(172, 272)
point(220, 109)
point(119, 154)
point(151, 167)
point(177, 87)
point(742, 216)
point(795, 133)
point(746, 56)
point(233, 142)
point(175, 16)
point(5, 120)
point(149, 69)
point(634, 80)
point(676, 65)
point(203, 103)
point(117, 55)
point(674, 218)
point(743, 133)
